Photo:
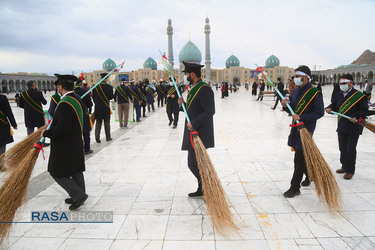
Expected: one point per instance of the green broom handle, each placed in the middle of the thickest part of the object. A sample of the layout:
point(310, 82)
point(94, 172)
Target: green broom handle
point(345, 116)
point(88, 91)
point(178, 92)
point(279, 93)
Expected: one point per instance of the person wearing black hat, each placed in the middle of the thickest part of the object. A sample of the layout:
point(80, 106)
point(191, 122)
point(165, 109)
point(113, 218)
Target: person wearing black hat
point(101, 95)
point(160, 91)
point(200, 106)
point(31, 101)
point(123, 97)
point(353, 103)
point(66, 163)
point(6, 121)
point(307, 103)
point(134, 90)
point(172, 104)
point(87, 103)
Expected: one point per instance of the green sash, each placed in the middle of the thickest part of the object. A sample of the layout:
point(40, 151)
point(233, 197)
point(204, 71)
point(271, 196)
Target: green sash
point(3, 118)
point(142, 95)
point(31, 102)
point(350, 102)
point(56, 98)
point(122, 93)
point(160, 89)
point(76, 106)
point(193, 92)
point(102, 95)
point(134, 94)
point(150, 91)
point(171, 91)
point(305, 100)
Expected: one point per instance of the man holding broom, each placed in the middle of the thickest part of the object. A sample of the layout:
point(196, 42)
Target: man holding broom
point(66, 163)
point(200, 105)
point(307, 103)
point(353, 103)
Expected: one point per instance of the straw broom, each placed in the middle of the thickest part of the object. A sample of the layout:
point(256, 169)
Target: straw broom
point(14, 188)
point(318, 170)
point(13, 156)
point(216, 199)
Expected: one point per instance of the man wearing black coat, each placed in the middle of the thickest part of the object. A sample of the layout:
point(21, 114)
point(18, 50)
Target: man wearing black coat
point(172, 104)
point(6, 121)
point(261, 89)
point(87, 104)
point(353, 103)
point(123, 97)
point(31, 101)
point(200, 105)
point(102, 94)
point(280, 87)
point(160, 91)
point(66, 162)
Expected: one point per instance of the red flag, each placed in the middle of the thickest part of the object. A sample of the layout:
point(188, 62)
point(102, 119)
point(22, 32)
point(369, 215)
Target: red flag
point(187, 87)
point(164, 56)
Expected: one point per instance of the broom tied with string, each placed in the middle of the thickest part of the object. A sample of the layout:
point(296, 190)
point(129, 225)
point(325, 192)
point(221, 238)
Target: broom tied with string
point(370, 126)
point(13, 190)
point(216, 199)
point(318, 170)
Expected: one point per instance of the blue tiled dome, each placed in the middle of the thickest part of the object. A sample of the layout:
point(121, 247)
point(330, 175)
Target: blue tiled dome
point(150, 64)
point(109, 65)
point(272, 61)
point(232, 61)
point(190, 53)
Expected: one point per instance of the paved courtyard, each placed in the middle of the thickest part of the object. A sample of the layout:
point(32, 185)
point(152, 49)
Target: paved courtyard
point(142, 176)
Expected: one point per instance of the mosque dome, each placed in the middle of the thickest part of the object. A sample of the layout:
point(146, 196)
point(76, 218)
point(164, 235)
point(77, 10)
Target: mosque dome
point(232, 61)
point(190, 53)
point(341, 67)
point(351, 66)
point(150, 64)
point(272, 61)
point(364, 65)
point(109, 65)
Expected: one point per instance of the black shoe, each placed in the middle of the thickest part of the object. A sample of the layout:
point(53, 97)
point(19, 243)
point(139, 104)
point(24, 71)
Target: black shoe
point(98, 140)
point(79, 203)
point(89, 152)
point(144, 116)
point(139, 120)
point(174, 126)
point(170, 123)
point(306, 182)
point(69, 201)
point(110, 139)
point(291, 193)
point(273, 108)
point(196, 193)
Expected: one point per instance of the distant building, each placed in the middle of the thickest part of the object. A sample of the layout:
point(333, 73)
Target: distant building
point(12, 82)
point(359, 73)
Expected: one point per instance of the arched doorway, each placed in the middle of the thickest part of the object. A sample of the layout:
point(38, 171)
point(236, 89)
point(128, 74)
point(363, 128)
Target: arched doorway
point(370, 76)
point(236, 81)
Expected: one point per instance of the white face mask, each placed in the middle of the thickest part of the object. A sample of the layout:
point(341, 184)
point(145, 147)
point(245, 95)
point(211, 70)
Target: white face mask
point(344, 87)
point(298, 81)
point(171, 84)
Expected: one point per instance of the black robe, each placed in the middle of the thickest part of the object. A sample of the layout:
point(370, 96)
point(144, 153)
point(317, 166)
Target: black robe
point(5, 136)
point(201, 112)
point(33, 118)
point(66, 157)
point(87, 104)
point(102, 111)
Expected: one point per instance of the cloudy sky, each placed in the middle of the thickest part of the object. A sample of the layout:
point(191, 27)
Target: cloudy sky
point(79, 35)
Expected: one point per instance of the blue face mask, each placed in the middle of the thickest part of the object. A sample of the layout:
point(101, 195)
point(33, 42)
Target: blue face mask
point(344, 87)
point(298, 81)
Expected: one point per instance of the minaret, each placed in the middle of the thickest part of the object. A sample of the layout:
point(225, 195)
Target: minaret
point(170, 43)
point(207, 31)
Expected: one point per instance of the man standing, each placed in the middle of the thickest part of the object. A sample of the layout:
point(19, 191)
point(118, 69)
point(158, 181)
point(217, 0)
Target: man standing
point(254, 88)
point(172, 104)
point(353, 103)
point(143, 92)
point(261, 89)
point(137, 99)
point(150, 97)
point(31, 101)
point(123, 96)
point(102, 94)
point(367, 89)
point(280, 87)
point(66, 162)
point(6, 121)
point(200, 106)
point(307, 103)
point(160, 91)
point(223, 90)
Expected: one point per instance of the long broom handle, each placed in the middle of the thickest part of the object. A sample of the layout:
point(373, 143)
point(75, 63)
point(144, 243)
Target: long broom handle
point(278, 92)
point(88, 91)
point(345, 116)
point(175, 86)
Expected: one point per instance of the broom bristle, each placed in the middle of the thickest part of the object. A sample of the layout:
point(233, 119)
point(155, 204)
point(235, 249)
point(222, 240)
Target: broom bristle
point(13, 156)
point(92, 118)
point(370, 126)
point(216, 200)
point(318, 171)
point(13, 191)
